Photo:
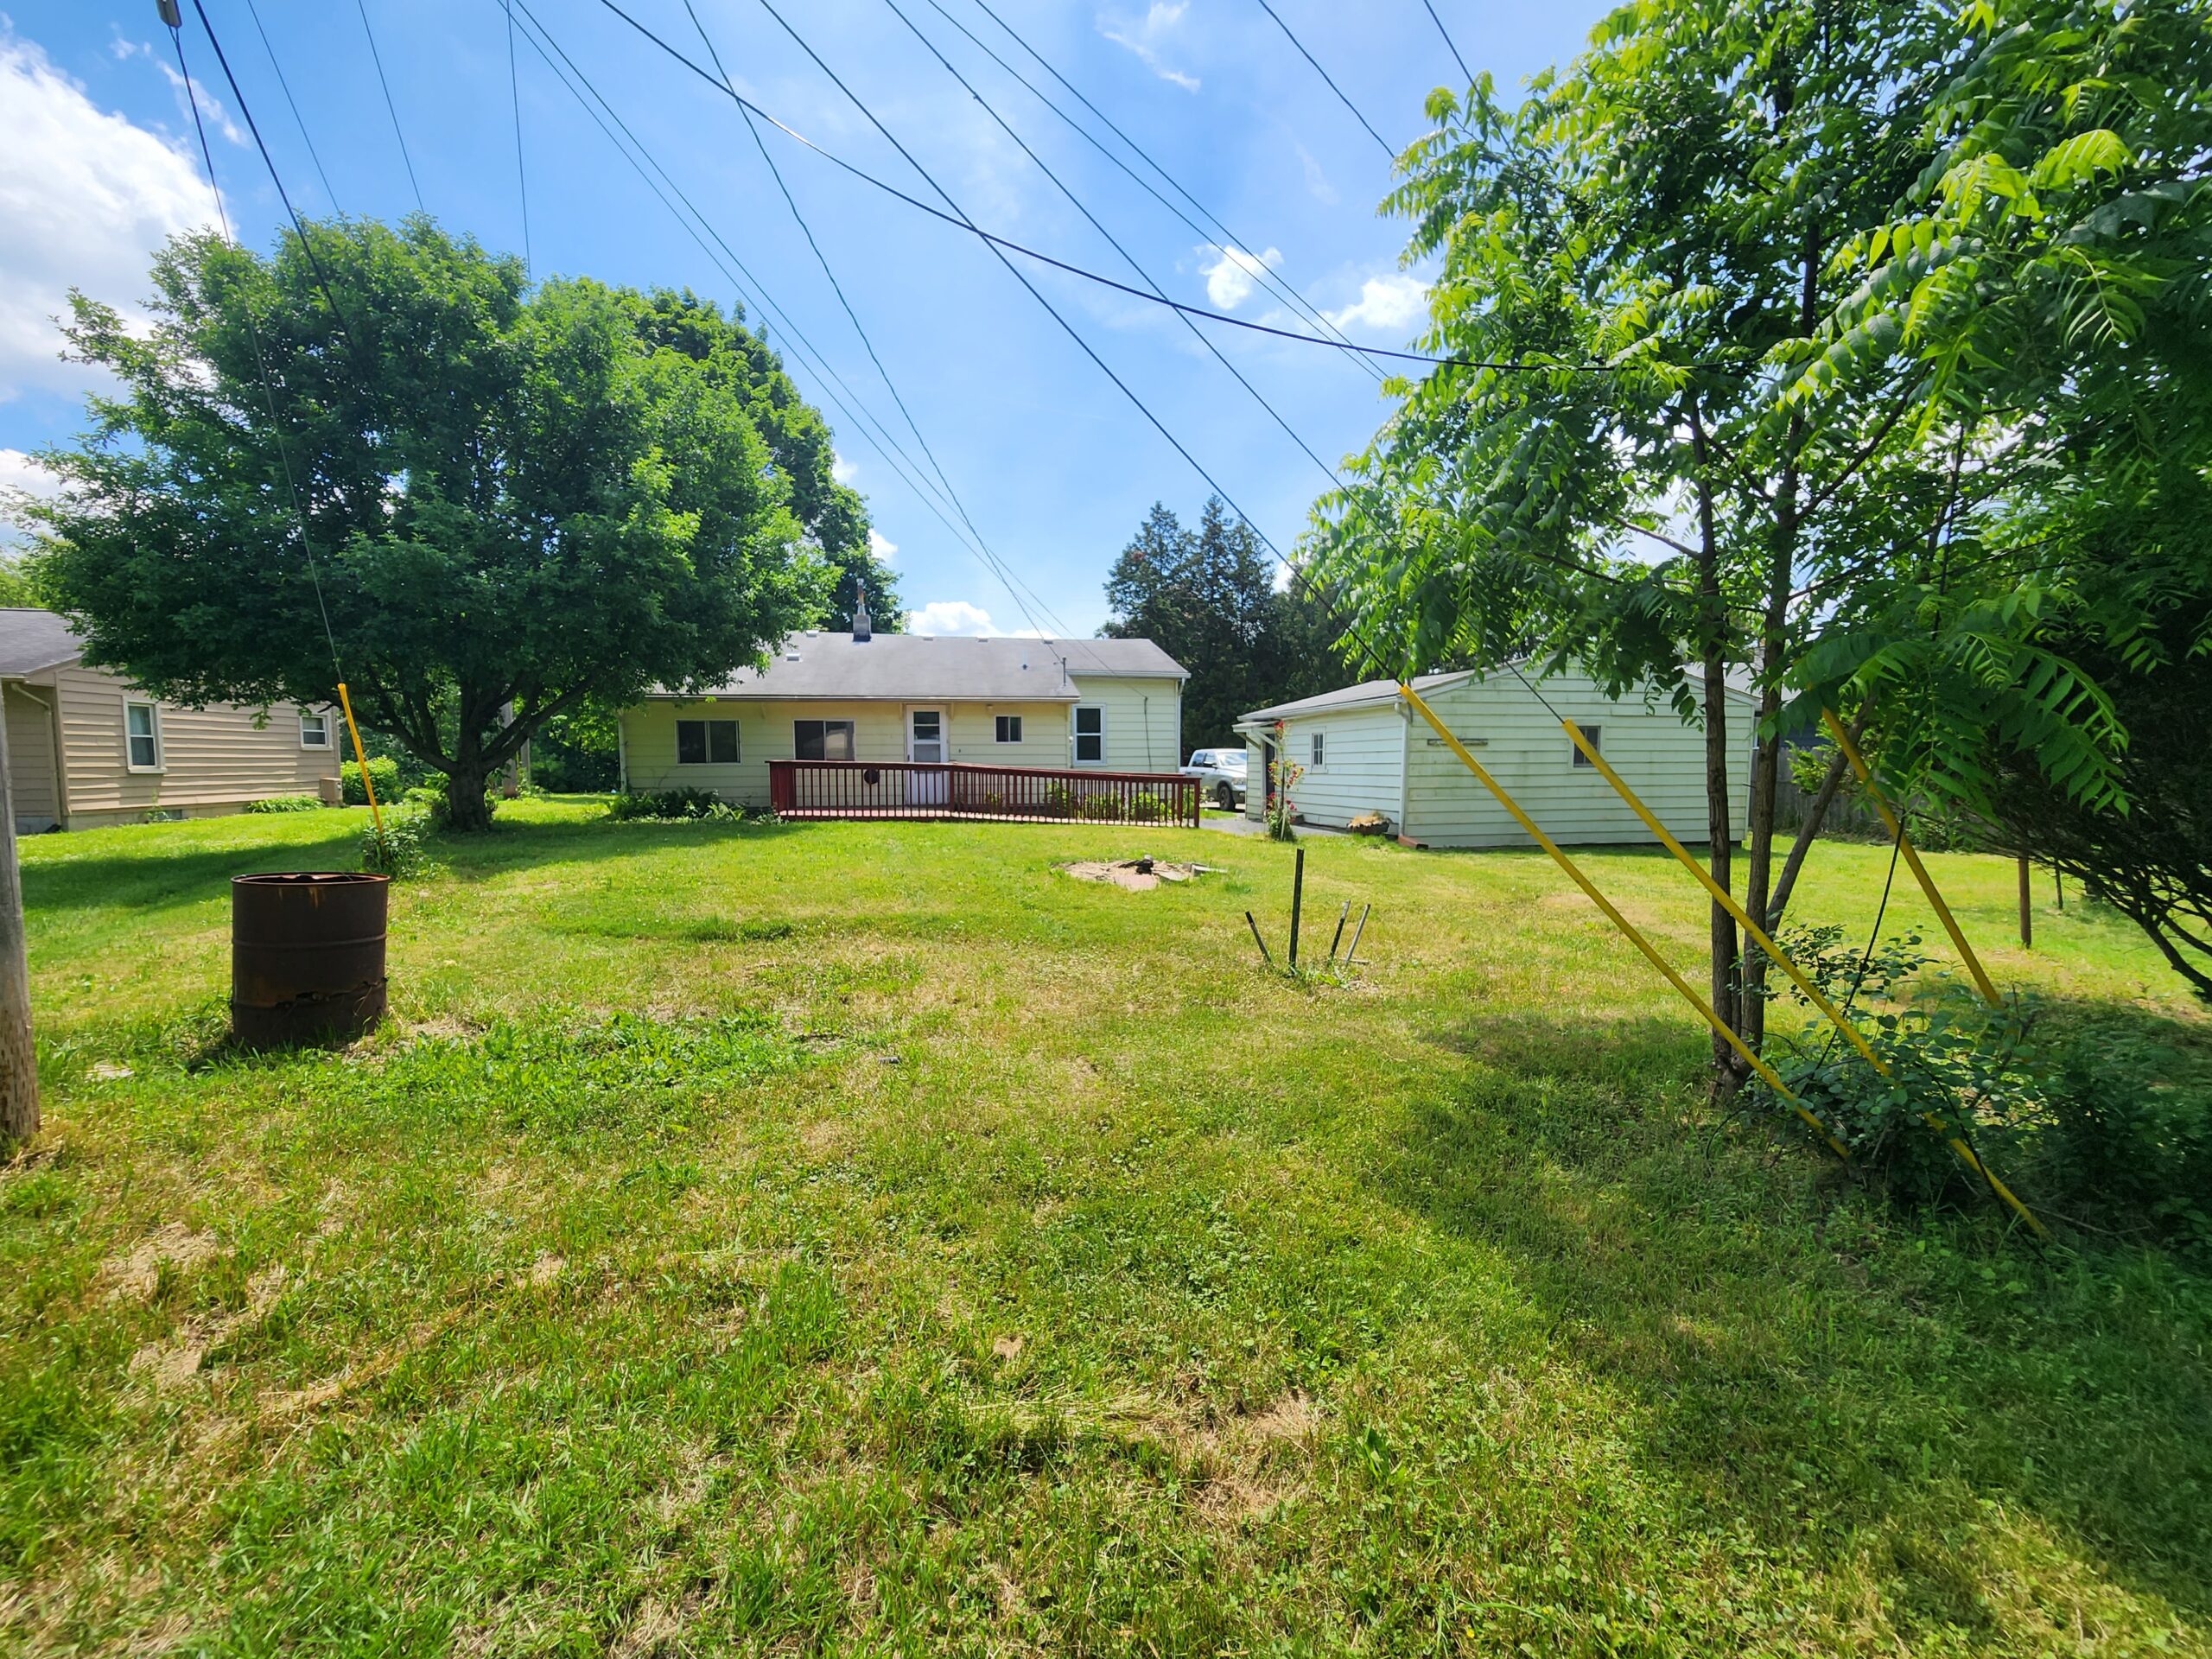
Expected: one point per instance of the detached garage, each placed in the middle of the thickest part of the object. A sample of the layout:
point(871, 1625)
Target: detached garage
point(1363, 749)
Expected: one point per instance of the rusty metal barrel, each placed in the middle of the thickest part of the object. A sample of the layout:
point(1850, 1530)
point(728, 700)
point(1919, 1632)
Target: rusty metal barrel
point(307, 957)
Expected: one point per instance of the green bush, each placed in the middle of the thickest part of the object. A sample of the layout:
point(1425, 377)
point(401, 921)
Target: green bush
point(668, 803)
point(285, 804)
point(1147, 809)
point(396, 848)
point(1100, 808)
point(384, 773)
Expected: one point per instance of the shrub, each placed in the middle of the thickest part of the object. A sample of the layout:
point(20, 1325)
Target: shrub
point(397, 849)
point(384, 773)
point(1147, 809)
point(1059, 801)
point(431, 798)
point(285, 804)
point(1100, 808)
point(672, 804)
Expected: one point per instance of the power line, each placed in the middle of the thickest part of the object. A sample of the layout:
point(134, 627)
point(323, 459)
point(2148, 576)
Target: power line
point(997, 243)
point(1465, 74)
point(377, 58)
point(514, 95)
point(1229, 240)
point(867, 344)
point(253, 332)
point(1076, 201)
point(329, 194)
point(1331, 85)
point(879, 438)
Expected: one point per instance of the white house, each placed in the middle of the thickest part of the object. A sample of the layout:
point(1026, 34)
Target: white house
point(1104, 705)
point(1363, 749)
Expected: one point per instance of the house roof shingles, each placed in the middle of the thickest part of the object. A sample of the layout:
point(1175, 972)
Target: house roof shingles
point(31, 640)
point(834, 667)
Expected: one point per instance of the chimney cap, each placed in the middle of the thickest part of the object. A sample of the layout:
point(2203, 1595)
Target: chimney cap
point(863, 625)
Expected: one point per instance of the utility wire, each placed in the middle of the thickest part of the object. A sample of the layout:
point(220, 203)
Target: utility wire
point(998, 242)
point(1465, 74)
point(1331, 85)
point(853, 316)
point(377, 58)
point(253, 335)
point(329, 195)
point(872, 432)
point(1327, 471)
point(514, 95)
point(1220, 237)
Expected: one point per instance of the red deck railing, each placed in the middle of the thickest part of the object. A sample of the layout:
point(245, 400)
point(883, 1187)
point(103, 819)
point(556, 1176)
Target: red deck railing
point(905, 789)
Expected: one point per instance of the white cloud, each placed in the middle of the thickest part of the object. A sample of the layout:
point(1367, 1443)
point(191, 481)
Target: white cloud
point(841, 469)
point(21, 475)
point(1143, 37)
point(1392, 303)
point(211, 108)
point(85, 197)
point(1316, 182)
point(951, 616)
point(1229, 279)
point(881, 545)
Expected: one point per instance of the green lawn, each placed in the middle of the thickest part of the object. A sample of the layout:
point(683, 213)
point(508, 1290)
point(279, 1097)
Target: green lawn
point(863, 1238)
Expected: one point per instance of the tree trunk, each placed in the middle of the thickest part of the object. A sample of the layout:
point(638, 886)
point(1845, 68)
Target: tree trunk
point(1712, 626)
point(467, 810)
point(1808, 832)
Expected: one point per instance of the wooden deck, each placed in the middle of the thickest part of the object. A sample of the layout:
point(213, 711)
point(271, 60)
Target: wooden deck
point(875, 789)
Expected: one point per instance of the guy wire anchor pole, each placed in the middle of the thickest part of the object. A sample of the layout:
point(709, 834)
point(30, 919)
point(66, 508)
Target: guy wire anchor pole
point(1343, 916)
point(1297, 901)
point(1356, 932)
point(1781, 959)
point(1264, 955)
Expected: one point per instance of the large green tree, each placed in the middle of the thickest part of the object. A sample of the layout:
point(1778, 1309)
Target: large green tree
point(521, 502)
point(1208, 597)
point(1736, 424)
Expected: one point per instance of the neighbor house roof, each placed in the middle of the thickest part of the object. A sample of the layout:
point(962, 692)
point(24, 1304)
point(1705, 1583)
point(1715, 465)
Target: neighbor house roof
point(1352, 696)
point(31, 640)
point(834, 667)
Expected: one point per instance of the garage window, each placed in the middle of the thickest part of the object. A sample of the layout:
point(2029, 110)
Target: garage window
point(1591, 735)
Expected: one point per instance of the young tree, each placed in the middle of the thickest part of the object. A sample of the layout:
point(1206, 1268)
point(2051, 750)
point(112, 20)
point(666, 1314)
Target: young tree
point(1708, 441)
point(537, 499)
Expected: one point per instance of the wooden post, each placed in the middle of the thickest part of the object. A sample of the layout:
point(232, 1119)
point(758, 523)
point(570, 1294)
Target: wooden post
point(2027, 920)
point(18, 1057)
point(1297, 901)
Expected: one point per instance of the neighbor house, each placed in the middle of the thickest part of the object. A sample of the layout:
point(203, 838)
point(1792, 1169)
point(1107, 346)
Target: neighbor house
point(1364, 749)
point(1058, 705)
point(86, 747)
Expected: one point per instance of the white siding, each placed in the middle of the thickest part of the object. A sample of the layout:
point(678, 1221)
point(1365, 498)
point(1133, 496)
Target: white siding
point(1362, 770)
point(1657, 754)
point(213, 760)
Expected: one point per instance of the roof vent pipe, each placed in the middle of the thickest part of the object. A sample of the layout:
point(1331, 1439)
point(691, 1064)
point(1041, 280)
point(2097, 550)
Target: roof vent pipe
point(863, 626)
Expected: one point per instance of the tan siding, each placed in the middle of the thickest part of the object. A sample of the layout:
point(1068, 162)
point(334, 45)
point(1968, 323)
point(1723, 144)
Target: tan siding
point(214, 760)
point(30, 760)
point(1361, 771)
point(879, 730)
point(1144, 723)
point(1659, 757)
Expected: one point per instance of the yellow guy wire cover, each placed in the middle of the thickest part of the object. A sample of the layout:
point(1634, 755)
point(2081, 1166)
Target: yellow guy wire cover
point(1727, 901)
point(1628, 928)
point(368, 783)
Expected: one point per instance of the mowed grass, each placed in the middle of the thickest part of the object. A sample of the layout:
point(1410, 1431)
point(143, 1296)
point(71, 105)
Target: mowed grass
point(866, 1239)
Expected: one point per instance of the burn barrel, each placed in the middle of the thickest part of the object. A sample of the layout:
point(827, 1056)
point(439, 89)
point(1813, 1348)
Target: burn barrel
point(307, 957)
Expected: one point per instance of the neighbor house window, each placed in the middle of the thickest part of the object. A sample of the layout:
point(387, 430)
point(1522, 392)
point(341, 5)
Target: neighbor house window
point(821, 739)
point(1318, 750)
point(142, 737)
point(1009, 728)
point(706, 742)
point(1590, 735)
point(314, 731)
point(1090, 736)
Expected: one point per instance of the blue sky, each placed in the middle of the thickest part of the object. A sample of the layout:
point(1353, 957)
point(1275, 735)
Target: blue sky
point(1055, 465)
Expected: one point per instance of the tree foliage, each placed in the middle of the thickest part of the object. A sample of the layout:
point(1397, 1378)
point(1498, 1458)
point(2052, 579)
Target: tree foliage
point(1208, 597)
point(517, 501)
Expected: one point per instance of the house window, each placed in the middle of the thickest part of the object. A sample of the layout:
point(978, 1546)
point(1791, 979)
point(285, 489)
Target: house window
point(142, 737)
point(1009, 728)
point(706, 742)
point(1590, 735)
point(314, 730)
point(821, 739)
point(1318, 750)
point(1090, 736)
